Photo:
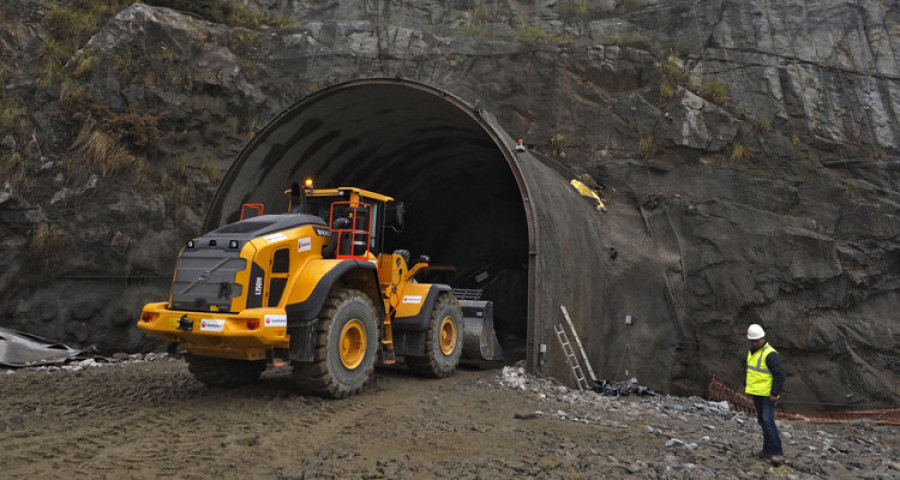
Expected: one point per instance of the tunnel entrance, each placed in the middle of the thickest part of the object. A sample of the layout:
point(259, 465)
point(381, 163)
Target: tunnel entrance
point(464, 206)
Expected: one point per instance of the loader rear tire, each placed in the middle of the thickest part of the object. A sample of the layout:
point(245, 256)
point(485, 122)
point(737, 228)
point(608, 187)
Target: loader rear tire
point(346, 345)
point(443, 341)
point(224, 372)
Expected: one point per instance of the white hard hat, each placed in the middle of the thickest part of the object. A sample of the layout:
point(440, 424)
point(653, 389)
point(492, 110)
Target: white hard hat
point(755, 332)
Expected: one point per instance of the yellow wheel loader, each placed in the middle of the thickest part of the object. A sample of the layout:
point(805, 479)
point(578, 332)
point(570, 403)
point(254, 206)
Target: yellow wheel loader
point(320, 296)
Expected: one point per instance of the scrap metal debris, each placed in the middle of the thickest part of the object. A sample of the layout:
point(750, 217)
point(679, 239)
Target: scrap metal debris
point(619, 389)
point(19, 349)
point(516, 378)
point(80, 363)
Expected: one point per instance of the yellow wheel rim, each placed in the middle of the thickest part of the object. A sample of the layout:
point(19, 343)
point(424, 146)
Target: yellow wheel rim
point(448, 335)
point(353, 344)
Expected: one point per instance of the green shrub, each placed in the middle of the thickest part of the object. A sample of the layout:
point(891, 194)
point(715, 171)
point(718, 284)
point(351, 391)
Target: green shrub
point(558, 145)
point(670, 70)
point(228, 12)
point(245, 39)
point(533, 34)
point(763, 125)
point(476, 31)
point(69, 89)
point(14, 168)
point(479, 16)
point(9, 114)
point(246, 16)
point(285, 23)
point(715, 91)
point(85, 65)
point(99, 150)
point(577, 11)
point(212, 170)
point(666, 90)
point(739, 153)
point(47, 241)
point(646, 146)
point(70, 27)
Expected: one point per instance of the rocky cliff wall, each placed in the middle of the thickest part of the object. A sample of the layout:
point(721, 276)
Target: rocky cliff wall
point(746, 149)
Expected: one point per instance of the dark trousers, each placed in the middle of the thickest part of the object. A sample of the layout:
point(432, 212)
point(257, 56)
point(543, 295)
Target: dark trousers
point(765, 416)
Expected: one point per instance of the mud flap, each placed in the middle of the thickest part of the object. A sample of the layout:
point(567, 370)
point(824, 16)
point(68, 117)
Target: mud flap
point(303, 340)
point(479, 338)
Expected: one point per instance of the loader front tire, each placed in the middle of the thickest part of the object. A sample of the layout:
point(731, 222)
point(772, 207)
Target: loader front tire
point(224, 372)
point(346, 346)
point(443, 341)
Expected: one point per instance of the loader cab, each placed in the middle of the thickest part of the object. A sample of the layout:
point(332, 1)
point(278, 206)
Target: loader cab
point(356, 218)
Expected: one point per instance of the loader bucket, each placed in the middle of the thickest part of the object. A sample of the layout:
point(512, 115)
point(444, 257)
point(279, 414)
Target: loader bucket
point(479, 339)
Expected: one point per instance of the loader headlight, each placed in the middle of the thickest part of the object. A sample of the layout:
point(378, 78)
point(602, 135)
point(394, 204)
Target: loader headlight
point(233, 244)
point(190, 244)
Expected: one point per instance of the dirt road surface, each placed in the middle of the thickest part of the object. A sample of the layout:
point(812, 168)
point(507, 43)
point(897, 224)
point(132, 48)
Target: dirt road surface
point(152, 420)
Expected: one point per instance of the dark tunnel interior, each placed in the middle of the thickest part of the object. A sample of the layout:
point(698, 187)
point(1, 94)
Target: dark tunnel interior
point(463, 206)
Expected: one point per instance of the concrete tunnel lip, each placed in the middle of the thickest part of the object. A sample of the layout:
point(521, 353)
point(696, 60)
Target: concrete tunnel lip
point(485, 123)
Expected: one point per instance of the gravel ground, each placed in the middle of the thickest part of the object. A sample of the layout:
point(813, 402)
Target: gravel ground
point(137, 417)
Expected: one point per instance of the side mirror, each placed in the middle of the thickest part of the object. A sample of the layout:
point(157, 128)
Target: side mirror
point(395, 223)
point(298, 199)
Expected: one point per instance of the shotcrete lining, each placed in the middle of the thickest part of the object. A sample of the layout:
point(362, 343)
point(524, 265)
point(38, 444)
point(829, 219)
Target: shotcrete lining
point(464, 206)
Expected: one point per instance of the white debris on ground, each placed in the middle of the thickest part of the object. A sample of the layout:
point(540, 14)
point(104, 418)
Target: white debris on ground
point(93, 362)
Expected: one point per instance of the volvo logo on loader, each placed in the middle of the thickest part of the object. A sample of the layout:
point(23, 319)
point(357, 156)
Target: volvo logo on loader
point(341, 303)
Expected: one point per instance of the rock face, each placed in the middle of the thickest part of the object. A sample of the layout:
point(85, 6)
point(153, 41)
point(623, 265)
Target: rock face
point(747, 152)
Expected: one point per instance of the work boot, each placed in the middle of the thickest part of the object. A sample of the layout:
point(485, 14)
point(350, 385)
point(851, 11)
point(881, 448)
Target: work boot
point(776, 460)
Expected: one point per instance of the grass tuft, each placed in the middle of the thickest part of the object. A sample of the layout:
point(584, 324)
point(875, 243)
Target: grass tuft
point(666, 90)
point(47, 242)
point(646, 146)
point(715, 91)
point(14, 168)
point(577, 11)
point(739, 153)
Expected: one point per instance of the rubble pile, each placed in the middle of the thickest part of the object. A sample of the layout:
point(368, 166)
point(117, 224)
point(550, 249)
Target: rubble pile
point(697, 438)
point(94, 362)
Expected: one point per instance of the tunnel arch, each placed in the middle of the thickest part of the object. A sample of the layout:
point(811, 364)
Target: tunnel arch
point(469, 194)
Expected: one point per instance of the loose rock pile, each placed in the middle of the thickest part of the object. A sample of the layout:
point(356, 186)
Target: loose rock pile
point(703, 439)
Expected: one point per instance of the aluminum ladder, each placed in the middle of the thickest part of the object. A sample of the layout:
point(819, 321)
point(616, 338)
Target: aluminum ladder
point(572, 359)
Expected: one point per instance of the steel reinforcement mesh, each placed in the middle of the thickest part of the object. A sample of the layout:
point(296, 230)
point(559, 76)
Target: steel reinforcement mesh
point(718, 392)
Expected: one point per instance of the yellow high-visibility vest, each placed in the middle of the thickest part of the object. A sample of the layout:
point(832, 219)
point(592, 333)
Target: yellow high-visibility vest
point(759, 378)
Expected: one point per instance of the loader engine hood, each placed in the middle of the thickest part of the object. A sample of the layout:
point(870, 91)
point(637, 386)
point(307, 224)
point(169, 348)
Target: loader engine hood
point(205, 276)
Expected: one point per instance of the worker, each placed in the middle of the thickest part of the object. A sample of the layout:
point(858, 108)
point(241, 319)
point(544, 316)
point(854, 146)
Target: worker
point(764, 379)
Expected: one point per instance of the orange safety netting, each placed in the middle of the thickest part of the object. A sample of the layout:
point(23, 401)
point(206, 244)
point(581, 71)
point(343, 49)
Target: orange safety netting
point(718, 391)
